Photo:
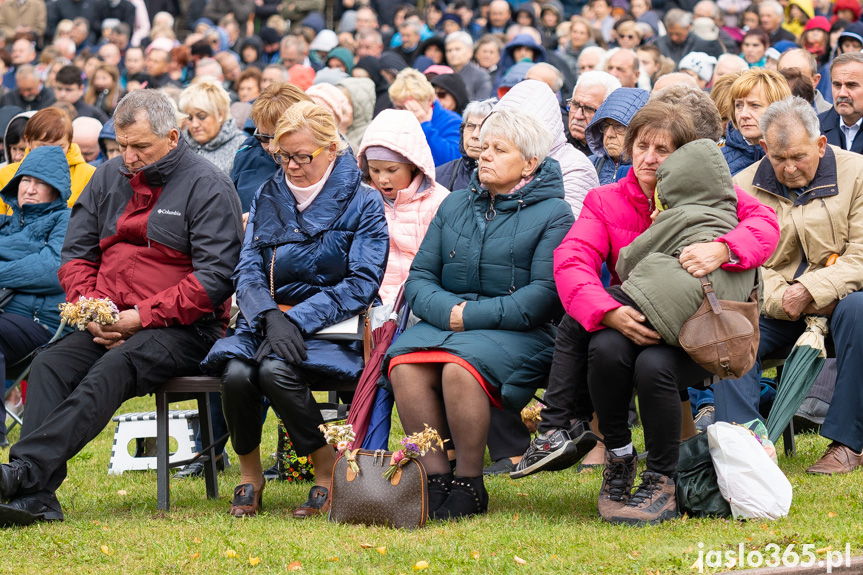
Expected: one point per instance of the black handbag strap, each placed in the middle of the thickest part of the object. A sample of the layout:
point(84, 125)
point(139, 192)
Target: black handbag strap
point(707, 288)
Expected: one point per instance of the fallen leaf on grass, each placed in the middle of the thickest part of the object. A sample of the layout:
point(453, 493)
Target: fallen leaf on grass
point(106, 550)
point(634, 554)
point(254, 560)
point(196, 540)
point(295, 566)
point(731, 563)
point(195, 555)
point(333, 559)
point(514, 519)
point(832, 514)
point(474, 555)
point(230, 553)
point(122, 492)
point(698, 565)
point(365, 545)
point(381, 550)
point(420, 565)
point(519, 560)
point(824, 549)
point(522, 494)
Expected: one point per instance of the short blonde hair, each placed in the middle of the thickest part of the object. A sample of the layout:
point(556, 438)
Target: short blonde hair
point(411, 84)
point(206, 94)
point(319, 121)
point(774, 84)
point(720, 93)
point(629, 27)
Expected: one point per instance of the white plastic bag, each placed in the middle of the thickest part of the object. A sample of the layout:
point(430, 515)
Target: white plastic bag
point(749, 480)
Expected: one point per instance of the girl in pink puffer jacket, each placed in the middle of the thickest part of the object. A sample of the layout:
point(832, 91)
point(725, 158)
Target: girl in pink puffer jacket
point(396, 160)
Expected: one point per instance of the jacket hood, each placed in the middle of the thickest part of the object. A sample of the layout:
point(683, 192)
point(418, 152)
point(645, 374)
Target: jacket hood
point(454, 84)
point(28, 114)
point(344, 56)
point(805, 5)
point(74, 156)
point(6, 115)
point(399, 131)
point(677, 184)
point(852, 5)
point(48, 163)
point(537, 98)
point(526, 40)
point(527, 8)
point(107, 133)
point(362, 95)
point(227, 133)
point(371, 65)
point(621, 105)
point(254, 42)
point(854, 30)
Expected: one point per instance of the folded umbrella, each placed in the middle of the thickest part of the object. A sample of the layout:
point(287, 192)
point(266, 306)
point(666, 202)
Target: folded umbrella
point(364, 398)
point(802, 367)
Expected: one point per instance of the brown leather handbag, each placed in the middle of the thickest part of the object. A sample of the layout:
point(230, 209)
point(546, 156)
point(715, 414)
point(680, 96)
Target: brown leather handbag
point(722, 336)
point(367, 498)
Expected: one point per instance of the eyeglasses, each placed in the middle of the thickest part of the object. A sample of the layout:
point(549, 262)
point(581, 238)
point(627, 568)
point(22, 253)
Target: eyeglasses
point(615, 127)
point(262, 138)
point(629, 36)
point(573, 106)
point(469, 127)
point(299, 159)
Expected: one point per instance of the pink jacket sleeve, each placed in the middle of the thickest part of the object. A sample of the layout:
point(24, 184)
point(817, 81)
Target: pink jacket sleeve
point(578, 264)
point(755, 237)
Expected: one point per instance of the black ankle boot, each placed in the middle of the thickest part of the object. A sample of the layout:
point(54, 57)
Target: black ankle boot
point(440, 484)
point(467, 497)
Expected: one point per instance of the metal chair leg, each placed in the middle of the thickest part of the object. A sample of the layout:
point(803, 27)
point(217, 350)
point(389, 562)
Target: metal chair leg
point(206, 427)
point(163, 470)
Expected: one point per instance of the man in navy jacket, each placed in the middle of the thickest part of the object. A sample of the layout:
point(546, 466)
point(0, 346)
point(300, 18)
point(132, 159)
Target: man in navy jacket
point(841, 124)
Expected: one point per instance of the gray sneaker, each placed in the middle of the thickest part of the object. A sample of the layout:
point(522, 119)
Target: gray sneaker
point(705, 417)
point(551, 452)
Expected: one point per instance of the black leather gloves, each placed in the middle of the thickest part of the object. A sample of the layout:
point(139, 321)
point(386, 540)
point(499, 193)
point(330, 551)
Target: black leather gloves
point(282, 337)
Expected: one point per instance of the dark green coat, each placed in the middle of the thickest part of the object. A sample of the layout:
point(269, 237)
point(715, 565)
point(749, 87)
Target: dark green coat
point(700, 205)
point(503, 268)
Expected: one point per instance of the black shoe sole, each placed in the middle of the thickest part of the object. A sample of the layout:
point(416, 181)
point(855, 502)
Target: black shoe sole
point(12, 516)
point(564, 457)
point(664, 516)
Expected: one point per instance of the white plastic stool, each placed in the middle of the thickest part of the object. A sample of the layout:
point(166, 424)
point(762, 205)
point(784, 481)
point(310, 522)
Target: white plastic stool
point(139, 425)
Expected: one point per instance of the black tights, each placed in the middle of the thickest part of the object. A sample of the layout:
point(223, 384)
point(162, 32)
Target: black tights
point(449, 399)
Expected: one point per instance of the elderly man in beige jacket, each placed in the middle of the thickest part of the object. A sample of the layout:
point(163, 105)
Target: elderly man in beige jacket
point(817, 269)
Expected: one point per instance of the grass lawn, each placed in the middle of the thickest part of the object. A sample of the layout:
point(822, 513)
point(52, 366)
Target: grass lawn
point(547, 520)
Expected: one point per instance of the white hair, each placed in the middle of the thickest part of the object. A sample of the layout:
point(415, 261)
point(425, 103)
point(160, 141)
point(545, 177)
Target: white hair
point(597, 78)
point(773, 5)
point(739, 62)
point(601, 53)
point(459, 36)
point(678, 17)
point(788, 114)
point(527, 132)
point(478, 108)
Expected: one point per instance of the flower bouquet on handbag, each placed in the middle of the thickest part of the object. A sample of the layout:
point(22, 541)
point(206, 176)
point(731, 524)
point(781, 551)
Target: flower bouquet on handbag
point(100, 310)
point(413, 446)
point(342, 437)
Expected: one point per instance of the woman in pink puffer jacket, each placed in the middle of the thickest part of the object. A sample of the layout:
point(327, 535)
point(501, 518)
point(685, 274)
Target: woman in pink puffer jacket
point(396, 160)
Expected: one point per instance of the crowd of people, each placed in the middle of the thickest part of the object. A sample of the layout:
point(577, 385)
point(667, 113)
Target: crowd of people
point(546, 182)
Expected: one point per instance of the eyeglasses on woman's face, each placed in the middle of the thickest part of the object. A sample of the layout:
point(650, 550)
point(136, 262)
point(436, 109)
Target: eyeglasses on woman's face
point(300, 159)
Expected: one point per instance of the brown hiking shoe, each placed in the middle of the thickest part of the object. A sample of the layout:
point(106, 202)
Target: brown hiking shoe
point(617, 479)
point(653, 502)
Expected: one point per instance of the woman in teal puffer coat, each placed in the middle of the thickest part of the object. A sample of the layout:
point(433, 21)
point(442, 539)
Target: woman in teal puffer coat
point(30, 243)
point(483, 284)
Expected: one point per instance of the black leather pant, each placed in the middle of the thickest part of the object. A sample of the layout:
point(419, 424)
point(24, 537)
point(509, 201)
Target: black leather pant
point(287, 387)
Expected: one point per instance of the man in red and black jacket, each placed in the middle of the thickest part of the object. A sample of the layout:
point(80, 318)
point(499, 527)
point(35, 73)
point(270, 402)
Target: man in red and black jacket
point(158, 230)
